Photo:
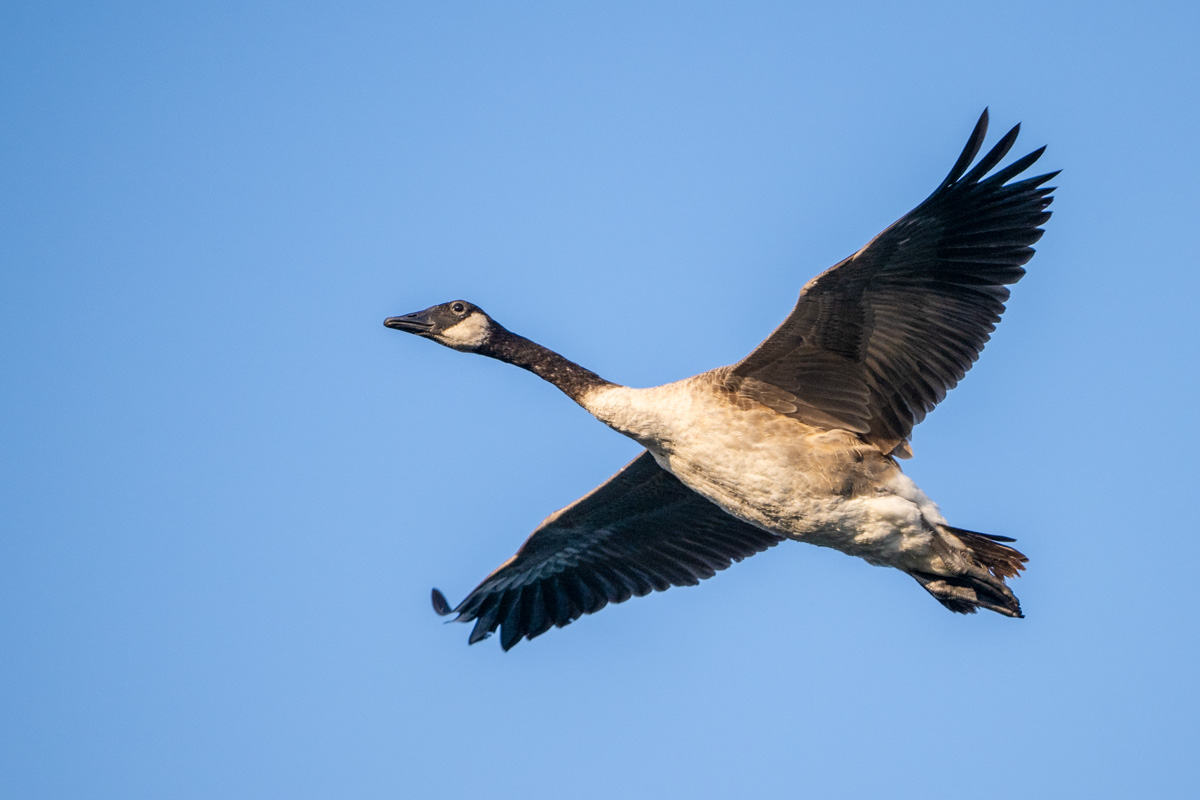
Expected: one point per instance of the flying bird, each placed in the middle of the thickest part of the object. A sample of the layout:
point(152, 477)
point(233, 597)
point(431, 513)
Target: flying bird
point(800, 439)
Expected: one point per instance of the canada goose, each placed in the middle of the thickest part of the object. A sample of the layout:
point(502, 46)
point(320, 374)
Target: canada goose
point(798, 440)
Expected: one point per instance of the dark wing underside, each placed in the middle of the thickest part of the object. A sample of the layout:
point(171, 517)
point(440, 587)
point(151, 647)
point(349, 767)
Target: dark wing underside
point(876, 341)
point(639, 532)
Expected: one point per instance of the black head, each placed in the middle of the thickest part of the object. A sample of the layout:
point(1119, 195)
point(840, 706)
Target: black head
point(459, 325)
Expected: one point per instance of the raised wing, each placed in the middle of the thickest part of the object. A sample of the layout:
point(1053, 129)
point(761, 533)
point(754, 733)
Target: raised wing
point(875, 342)
point(641, 531)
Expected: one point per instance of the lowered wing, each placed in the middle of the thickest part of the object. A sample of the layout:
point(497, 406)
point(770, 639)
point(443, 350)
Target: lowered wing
point(641, 531)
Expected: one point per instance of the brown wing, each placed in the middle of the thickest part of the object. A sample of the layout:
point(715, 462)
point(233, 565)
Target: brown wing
point(640, 531)
point(875, 342)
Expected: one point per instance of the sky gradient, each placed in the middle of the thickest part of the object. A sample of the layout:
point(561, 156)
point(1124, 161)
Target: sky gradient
point(226, 489)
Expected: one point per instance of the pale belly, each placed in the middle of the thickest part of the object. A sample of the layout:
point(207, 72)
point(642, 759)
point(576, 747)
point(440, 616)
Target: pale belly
point(884, 528)
point(827, 488)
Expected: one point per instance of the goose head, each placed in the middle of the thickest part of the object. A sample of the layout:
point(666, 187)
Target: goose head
point(458, 325)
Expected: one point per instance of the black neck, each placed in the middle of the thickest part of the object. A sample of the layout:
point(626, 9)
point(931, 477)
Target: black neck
point(574, 380)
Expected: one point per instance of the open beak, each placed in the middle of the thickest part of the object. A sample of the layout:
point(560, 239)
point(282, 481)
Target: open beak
point(417, 322)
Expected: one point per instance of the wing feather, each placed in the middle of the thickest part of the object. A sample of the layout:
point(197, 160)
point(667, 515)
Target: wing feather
point(641, 531)
point(876, 341)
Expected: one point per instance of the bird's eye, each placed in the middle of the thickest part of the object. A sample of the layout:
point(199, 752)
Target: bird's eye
point(458, 308)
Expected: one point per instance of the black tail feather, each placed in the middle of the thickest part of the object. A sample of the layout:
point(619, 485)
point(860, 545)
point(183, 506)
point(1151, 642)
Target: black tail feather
point(994, 537)
point(974, 568)
point(999, 559)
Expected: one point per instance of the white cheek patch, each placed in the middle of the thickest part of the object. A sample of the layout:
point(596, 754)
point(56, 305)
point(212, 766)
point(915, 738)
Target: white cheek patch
point(468, 334)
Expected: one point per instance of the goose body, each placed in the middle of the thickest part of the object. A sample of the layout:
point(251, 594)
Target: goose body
point(824, 487)
point(800, 439)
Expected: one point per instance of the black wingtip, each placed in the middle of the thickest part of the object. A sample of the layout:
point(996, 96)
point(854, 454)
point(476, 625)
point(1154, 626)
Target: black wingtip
point(439, 604)
point(510, 638)
point(993, 156)
point(974, 144)
point(478, 633)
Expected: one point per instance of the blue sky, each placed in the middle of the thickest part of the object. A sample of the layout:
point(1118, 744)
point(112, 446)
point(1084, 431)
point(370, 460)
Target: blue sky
point(226, 489)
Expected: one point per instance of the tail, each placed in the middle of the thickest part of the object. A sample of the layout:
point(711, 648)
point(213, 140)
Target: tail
point(977, 564)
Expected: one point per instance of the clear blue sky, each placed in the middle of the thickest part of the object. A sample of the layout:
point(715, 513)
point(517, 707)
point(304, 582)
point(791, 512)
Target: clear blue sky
point(226, 488)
